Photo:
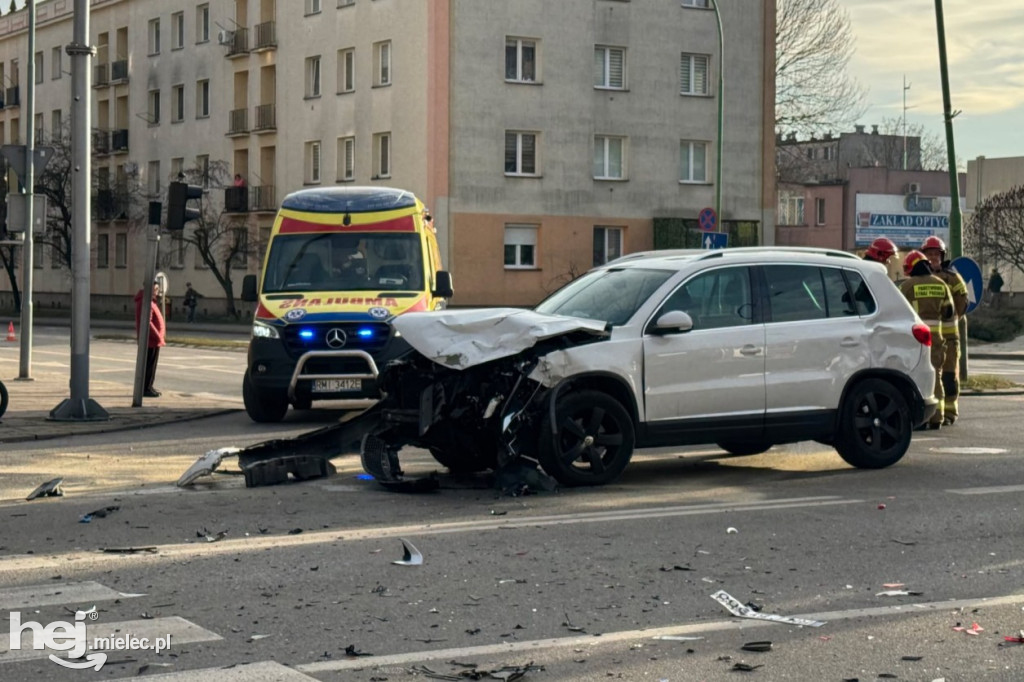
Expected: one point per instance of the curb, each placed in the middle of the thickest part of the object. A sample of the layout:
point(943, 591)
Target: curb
point(109, 427)
point(994, 356)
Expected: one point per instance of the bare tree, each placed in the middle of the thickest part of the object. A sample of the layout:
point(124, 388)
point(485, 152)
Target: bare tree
point(813, 45)
point(995, 232)
point(9, 253)
point(930, 148)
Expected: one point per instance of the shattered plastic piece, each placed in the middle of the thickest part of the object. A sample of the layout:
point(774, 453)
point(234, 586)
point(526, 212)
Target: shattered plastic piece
point(351, 650)
point(757, 646)
point(892, 586)
point(881, 506)
point(294, 531)
point(911, 658)
point(973, 630)
point(205, 466)
point(1015, 640)
point(899, 593)
point(676, 567)
point(219, 536)
point(128, 550)
point(743, 611)
point(51, 488)
point(678, 638)
point(98, 514)
point(411, 555)
point(731, 530)
point(253, 638)
point(746, 667)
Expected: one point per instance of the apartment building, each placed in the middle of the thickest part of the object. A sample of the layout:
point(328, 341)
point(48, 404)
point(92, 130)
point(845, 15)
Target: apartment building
point(546, 137)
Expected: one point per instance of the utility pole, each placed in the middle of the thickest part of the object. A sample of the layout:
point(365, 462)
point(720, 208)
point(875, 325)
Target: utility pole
point(721, 102)
point(906, 86)
point(25, 362)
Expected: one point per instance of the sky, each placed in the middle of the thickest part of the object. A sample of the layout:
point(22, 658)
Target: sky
point(985, 53)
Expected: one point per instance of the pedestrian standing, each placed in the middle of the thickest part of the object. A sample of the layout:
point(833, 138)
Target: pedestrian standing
point(190, 301)
point(156, 337)
point(934, 250)
point(932, 302)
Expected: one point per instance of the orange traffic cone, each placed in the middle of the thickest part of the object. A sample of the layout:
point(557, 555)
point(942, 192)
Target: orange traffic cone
point(10, 332)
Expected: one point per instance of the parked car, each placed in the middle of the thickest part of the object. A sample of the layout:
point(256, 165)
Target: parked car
point(744, 348)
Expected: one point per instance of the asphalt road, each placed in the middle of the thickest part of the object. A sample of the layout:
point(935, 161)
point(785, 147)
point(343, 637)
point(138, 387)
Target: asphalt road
point(589, 584)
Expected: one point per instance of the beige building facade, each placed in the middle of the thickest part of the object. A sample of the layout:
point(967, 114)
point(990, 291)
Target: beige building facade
point(546, 137)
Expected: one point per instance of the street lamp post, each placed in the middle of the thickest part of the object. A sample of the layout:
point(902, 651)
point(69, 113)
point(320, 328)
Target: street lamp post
point(721, 100)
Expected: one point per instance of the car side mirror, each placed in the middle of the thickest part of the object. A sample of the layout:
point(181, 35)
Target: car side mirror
point(249, 289)
point(443, 284)
point(673, 321)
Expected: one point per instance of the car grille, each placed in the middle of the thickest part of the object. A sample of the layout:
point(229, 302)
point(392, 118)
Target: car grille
point(297, 345)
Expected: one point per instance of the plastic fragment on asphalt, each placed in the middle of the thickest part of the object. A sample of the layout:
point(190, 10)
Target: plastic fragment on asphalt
point(743, 611)
point(678, 638)
point(52, 488)
point(351, 650)
point(253, 638)
point(892, 586)
point(881, 506)
point(205, 465)
point(410, 555)
point(899, 593)
point(100, 513)
point(757, 646)
point(128, 550)
point(973, 630)
point(911, 658)
point(746, 667)
point(731, 530)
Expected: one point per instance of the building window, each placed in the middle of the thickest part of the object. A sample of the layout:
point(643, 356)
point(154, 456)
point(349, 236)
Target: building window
point(520, 60)
point(382, 155)
point(791, 209)
point(312, 163)
point(346, 159)
point(121, 250)
point(607, 244)
point(819, 211)
point(56, 67)
point(177, 104)
point(696, 3)
point(382, 63)
point(313, 76)
point(609, 153)
point(177, 167)
point(609, 68)
point(56, 125)
point(520, 246)
point(346, 70)
point(177, 30)
point(39, 253)
point(203, 168)
point(520, 153)
point(153, 181)
point(203, 99)
point(693, 70)
point(38, 64)
point(312, 6)
point(154, 107)
point(203, 23)
point(830, 153)
point(38, 128)
point(102, 251)
point(693, 161)
point(240, 247)
point(154, 36)
point(177, 251)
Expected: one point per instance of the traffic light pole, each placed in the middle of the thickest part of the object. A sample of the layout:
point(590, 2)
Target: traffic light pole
point(28, 252)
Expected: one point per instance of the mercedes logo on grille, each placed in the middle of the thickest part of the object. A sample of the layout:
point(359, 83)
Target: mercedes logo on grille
point(336, 338)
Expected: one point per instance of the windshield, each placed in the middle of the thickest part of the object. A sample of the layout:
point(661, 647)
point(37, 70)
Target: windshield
point(344, 262)
point(612, 295)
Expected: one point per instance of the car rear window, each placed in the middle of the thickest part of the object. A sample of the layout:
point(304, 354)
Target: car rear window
point(805, 292)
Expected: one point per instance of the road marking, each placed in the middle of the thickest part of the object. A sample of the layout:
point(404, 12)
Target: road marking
point(464, 653)
point(263, 671)
point(16, 598)
point(987, 491)
point(180, 630)
point(969, 451)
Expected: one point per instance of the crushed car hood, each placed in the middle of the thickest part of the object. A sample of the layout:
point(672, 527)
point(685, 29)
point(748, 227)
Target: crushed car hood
point(464, 338)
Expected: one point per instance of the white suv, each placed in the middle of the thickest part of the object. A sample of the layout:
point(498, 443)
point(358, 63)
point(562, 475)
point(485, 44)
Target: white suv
point(745, 348)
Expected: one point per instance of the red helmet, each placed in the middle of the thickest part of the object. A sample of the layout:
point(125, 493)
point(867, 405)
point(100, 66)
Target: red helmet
point(934, 242)
point(881, 250)
point(912, 259)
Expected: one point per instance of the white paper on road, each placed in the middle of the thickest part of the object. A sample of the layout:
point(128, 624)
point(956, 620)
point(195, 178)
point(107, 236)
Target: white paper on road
point(744, 611)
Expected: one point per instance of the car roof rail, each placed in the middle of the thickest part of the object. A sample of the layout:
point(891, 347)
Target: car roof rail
point(719, 253)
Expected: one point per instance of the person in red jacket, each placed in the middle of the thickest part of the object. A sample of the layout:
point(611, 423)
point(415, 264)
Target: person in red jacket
point(156, 337)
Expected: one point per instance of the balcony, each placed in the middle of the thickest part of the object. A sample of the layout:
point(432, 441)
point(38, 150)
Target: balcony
point(238, 122)
point(236, 199)
point(263, 199)
point(266, 36)
point(119, 71)
point(266, 118)
point(238, 42)
point(109, 204)
point(119, 140)
point(101, 142)
point(13, 97)
point(101, 75)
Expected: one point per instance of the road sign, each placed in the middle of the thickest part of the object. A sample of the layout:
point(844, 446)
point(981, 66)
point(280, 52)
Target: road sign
point(708, 219)
point(16, 217)
point(714, 240)
point(971, 273)
point(15, 155)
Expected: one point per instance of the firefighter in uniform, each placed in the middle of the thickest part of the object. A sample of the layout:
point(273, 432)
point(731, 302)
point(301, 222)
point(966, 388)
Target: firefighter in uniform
point(933, 303)
point(881, 250)
point(935, 251)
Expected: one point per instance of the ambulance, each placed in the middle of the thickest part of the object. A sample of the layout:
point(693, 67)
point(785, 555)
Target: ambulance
point(341, 264)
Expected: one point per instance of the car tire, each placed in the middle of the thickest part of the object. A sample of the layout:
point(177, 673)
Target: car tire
point(741, 447)
point(594, 442)
point(262, 407)
point(3, 399)
point(875, 426)
point(303, 403)
point(460, 461)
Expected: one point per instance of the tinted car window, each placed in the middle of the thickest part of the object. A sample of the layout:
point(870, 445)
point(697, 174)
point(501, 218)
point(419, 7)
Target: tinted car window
point(612, 295)
point(862, 297)
point(795, 292)
point(720, 298)
point(837, 297)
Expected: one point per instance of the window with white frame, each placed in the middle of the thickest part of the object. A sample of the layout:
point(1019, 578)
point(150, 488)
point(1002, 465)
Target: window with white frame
point(154, 107)
point(819, 211)
point(693, 74)
point(103, 251)
point(56, 66)
point(177, 103)
point(520, 153)
point(791, 209)
point(609, 67)
point(347, 70)
point(203, 23)
point(313, 76)
point(382, 63)
point(521, 60)
point(346, 159)
point(121, 250)
point(609, 158)
point(830, 153)
point(382, 155)
point(313, 162)
point(607, 243)
point(153, 177)
point(203, 168)
point(312, 6)
point(154, 36)
point(203, 98)
point(693, 161)
point(177, 30)
point(520, 246)
point(696, 3)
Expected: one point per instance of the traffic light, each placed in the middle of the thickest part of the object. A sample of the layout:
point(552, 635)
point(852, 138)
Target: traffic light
point(178, 210)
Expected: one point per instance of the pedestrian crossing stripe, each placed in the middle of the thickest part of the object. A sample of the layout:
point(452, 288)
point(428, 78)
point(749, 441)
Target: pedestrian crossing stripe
point(261, 671)
point(81, 593)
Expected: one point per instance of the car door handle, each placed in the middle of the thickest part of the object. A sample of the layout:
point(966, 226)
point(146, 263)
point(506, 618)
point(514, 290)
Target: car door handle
point(849, 343)
point(750, 350)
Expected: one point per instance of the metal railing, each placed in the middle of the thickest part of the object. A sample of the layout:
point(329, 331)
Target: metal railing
point(13, 97)
point(119, 70)
point(266, 36)
point(101, 141)
point(266, 117)
point(119, 140)
point(238, 121)
point(100, 75)
point(236, 199)
point(263, 198)
point(239, 42)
